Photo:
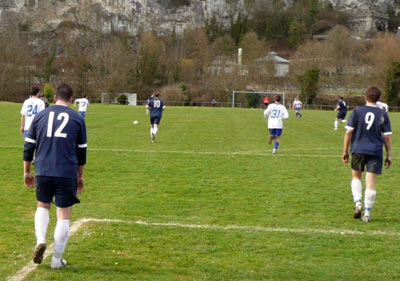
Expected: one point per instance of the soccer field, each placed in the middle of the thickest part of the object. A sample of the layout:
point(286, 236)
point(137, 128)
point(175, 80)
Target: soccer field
point(206, 201)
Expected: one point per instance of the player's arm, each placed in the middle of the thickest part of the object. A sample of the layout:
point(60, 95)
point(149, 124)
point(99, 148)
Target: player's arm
point(347, 139)
point(388, 147)
point(22, 129)
point(285, 114)
point(29, 149)
point(75, 101)
point(337, 108)
point(82, 154)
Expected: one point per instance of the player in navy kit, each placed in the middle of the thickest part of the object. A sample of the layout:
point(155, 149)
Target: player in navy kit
point(341, 116)
point(58, 137)
point(368, 129)
point(156, 107)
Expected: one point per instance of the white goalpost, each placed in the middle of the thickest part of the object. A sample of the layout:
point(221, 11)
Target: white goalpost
point(261, 93)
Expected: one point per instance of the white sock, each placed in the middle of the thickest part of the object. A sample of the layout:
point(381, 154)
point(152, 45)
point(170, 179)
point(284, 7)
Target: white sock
point(344, 121)
point(151, 131)
point(61, 234)
point(41, 223)
point(336, 124)
point(356, 189)
point(155, 130)
point(369, 200)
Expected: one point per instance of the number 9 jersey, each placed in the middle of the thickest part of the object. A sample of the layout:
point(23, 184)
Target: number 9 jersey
point(58, 134)
point(369, 124)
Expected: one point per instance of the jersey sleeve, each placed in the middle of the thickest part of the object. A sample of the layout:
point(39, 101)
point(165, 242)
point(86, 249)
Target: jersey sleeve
point(352, 121)
point(285, 114)
point(30, 142)
point(387, 128)
point(82, 144)
point(23, 109)
point(266, 112)
point(42, 106)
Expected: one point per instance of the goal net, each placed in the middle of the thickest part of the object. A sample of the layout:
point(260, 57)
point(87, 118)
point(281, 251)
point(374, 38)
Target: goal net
point(254, 99)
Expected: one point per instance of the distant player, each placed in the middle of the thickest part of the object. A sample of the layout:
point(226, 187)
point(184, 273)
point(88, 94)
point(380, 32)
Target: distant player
point(83, 105)
point(383, 106)
point(58, 136)
point(30, 108)
point(297, 105)
point(156, 107)
point(368, 130)
point(266, 101)
point(275, 113)
point(341, 116)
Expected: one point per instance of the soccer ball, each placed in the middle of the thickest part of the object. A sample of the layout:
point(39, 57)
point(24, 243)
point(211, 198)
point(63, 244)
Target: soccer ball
point(135, 122)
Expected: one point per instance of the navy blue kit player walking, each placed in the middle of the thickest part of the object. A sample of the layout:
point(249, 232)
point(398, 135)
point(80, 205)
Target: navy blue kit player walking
point(156, 107)
point(57, 136)
point(368, 130)
point(341, 116)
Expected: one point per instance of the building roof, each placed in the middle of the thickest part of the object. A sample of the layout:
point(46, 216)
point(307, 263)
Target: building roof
point(273, 57)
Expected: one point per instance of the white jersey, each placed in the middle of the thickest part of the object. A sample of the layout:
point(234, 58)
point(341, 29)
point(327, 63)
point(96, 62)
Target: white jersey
point(297, 104)
point(83, 104)
point(30, 108)
point(382, 105)
point(276, 113)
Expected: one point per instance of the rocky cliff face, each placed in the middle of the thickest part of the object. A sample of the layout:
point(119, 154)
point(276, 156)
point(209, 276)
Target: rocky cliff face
point(133, 16)
point(120, 15)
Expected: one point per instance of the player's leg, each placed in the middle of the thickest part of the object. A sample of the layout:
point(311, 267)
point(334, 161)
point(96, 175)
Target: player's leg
point(356, 190)
point(370, 194)
point(66, 190)
point(61, 235)
point(336, 124)
point(152, 129)
point(44, 194)
point(271, 135)
point(374, 168)
point(41, 223)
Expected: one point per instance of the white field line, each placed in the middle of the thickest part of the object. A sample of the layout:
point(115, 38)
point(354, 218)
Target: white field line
point(30, 267)
point(243, 153)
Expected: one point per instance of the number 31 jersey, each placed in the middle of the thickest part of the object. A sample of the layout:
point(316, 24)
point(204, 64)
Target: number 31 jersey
point(275, 114)
point(369, 124)
point(58, 134)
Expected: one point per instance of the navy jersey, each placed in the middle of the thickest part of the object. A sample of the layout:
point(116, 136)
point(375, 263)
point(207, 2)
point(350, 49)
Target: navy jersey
point(58, 134)
point(342, 106)
point(369, 124)
point(156, 107)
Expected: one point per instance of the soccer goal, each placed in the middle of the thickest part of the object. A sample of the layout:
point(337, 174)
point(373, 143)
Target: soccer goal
point(254, 98)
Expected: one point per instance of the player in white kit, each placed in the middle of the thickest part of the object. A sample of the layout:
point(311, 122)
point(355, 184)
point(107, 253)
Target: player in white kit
point(276, 113)
point(83, 104)
point(30, 108)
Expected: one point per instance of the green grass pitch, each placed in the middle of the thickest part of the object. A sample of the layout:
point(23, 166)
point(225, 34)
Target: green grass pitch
point(208, 167)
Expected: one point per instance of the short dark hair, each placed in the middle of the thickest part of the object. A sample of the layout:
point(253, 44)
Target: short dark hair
point(64, 92)
point(278, 98)
point(373, 94)
point(341, 97)
point(35, 91)
point(157, 94)
point(85, 96)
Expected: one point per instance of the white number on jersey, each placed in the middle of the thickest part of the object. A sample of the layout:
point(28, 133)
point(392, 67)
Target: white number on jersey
point(157, 103)
point(369, 119)
point(32, 110)
point(276, 113)
point(59, 134)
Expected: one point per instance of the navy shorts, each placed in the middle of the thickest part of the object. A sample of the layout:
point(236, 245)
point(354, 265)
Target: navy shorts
point(372, 163)
point(63, 189)
point(82, 113)
point(341, 115)
point(275, 132)
point(155, 120)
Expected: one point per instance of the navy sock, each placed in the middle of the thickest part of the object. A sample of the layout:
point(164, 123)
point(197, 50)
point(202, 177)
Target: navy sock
point(276, 145)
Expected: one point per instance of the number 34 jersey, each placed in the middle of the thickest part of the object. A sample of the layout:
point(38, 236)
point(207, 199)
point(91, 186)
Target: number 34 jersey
point(275, 114)
point(369, 124)
point(58, 134)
